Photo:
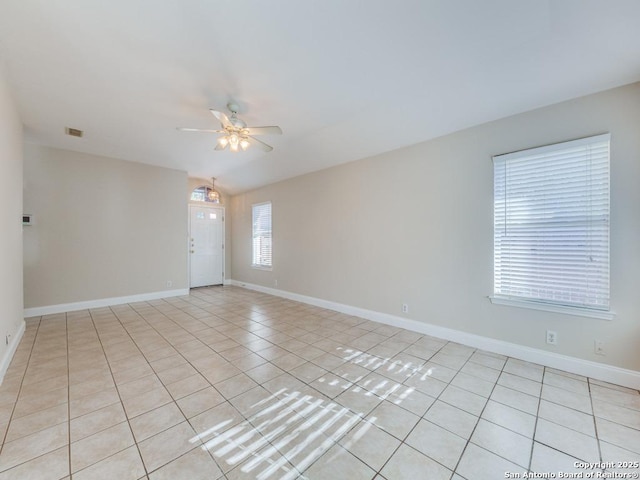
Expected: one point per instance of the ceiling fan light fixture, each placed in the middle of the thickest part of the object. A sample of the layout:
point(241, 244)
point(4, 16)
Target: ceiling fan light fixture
point(235, 133)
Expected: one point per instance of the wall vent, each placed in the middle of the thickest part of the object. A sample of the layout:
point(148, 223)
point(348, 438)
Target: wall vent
point(74, 132)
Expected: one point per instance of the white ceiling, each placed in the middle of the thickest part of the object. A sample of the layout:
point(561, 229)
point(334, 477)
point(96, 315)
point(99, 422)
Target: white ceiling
point(345, 79)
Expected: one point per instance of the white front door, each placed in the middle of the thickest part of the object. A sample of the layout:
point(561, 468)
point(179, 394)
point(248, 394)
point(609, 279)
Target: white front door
point(206, 247)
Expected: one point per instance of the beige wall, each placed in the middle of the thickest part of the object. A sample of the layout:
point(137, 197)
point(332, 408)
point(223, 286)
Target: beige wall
point(103, 228)
point(10, 219)
point(194, 183)
point(415, 226)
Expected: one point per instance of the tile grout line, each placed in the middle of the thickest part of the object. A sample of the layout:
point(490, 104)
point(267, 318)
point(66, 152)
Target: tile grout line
point(15, 402)
point(402, 442)
point(115, 314)
point(468, 441)
point(66, 325)
point(156, 373)
point(91, 316)
point(535, 423)
point(595, 423)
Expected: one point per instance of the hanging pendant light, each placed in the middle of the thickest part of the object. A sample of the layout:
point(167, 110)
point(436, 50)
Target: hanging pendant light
point(212, 195)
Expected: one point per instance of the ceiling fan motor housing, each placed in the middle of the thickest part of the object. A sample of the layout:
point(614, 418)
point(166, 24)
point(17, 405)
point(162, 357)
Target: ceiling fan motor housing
point(234, 120)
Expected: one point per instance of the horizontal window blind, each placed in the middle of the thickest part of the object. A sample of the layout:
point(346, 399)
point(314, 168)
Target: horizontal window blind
point(551, 224)
point(262, 244)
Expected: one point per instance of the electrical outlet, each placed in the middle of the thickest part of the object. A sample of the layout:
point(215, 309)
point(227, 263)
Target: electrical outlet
point(169, 283)
point(405, 308)
point(598, 347)
point(552, 337)
point(275, 283)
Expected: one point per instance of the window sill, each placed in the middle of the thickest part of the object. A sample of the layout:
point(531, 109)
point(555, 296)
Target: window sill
point(262, 267)
point(548, 307)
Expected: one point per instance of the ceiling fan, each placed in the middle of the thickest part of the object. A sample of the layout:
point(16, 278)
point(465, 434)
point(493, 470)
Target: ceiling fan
point(235, 132)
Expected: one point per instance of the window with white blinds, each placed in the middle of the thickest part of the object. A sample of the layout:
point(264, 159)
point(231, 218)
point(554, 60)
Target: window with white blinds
point(551, 224)
point(261, 217)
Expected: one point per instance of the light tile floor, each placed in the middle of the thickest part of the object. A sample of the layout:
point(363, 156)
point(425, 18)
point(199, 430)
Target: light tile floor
point(232, 384)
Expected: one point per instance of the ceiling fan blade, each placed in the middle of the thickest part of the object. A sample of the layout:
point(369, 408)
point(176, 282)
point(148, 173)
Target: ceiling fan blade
point(182, 129)
point(264, 130)
point(224, 120)
point(258, 143)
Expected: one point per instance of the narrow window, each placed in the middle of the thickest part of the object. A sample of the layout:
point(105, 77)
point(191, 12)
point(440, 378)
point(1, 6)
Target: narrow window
point(261, 214)
point(205, 194)
point(551, 224)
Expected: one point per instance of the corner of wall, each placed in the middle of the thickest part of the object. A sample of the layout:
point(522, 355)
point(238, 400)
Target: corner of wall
point(11, 350)
point(11, 205)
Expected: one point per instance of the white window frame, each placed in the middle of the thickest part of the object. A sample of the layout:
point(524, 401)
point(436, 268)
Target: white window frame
point(527, 209)
point(256, 261)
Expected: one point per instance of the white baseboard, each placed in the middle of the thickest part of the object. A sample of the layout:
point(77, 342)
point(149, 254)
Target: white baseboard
point(587, 368)
point(8, 354)
point(103, 302)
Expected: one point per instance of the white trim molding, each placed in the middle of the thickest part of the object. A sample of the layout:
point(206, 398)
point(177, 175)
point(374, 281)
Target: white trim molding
point(102, 302)
point(587, 368)
point(11, 350)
